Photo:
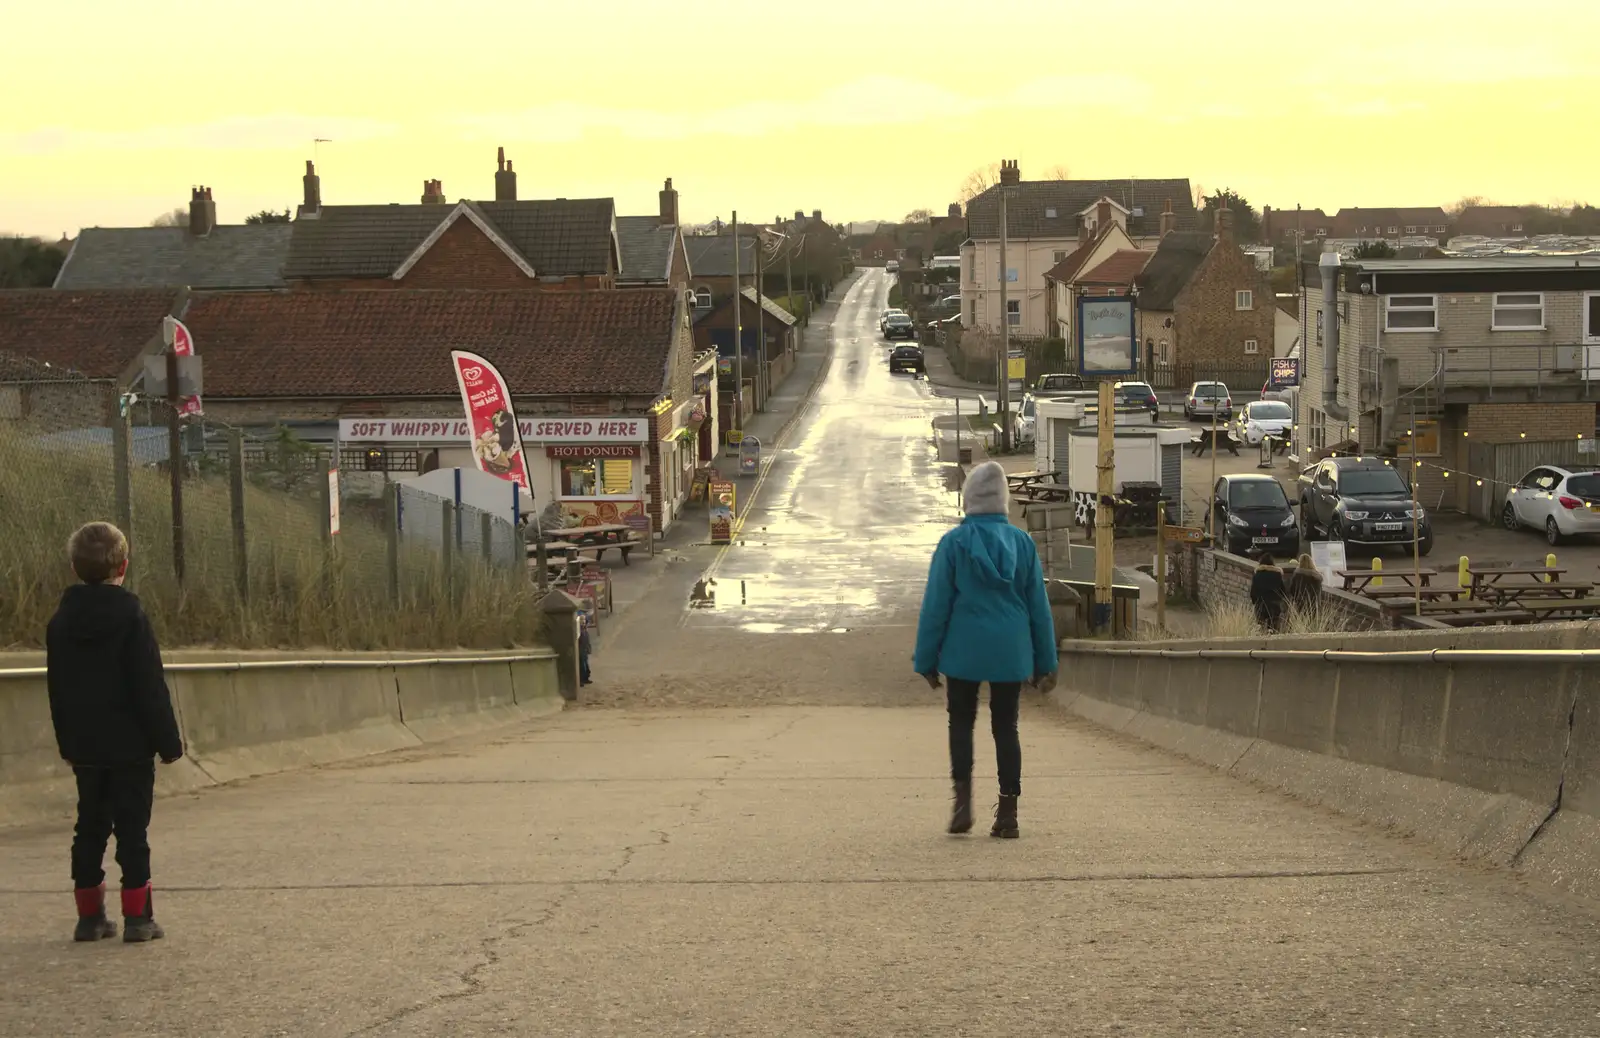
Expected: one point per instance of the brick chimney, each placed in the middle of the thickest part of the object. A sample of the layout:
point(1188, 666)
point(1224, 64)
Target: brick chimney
point(669, 204)
point(1083, 229)
point(816, 214)
point(433, 192)
point(202, 212)
point(1169, 220)
point(1224, 220)
point(313, 190)
point(505, 181)
point(954, 212)
point(1009, 173)
point(1102, 215)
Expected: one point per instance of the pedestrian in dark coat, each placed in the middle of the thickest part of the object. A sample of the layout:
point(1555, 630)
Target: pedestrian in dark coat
point(1304, 585)
point(113, 716)
point(986, 617)
point(1267, 594)
point(583, 652)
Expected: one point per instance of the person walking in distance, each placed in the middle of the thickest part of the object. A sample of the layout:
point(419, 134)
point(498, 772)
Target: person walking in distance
point(1267, 594)
point(985, 618)
point(113, 716)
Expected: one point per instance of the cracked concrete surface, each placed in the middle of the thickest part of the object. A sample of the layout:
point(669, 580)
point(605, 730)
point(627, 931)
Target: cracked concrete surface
point(782, 871)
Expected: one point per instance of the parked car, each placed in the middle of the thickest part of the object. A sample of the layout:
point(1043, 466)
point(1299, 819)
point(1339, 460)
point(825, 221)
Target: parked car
point(1263, 418)
point(1138, 393)
point(1363, 502)
point(907, 358)
point(883, 318)
point(892, 267)
point(1253, 515)
point(1058, 382)
point(1561, 502)
point(1268, 393)
point(1208, 399)
point(899, 326)
point(1024, 421)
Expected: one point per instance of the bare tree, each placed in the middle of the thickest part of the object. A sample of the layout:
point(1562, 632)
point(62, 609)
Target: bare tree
point(918, 216)
point(979, 181)
point(1465, 201)
point(176, 218)
point(1058, 172)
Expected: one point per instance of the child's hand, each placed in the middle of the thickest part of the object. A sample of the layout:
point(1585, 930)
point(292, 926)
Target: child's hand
point(171, 760)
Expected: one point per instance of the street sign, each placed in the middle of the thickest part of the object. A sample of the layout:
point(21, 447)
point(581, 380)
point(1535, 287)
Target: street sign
point(333, 502)
point(1185, 535)
point(191, 376)
point(749, 456)
point(721, 510)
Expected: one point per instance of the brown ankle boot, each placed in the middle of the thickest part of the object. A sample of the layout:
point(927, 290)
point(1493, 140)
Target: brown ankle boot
point(1005, 818)
point(961, 815)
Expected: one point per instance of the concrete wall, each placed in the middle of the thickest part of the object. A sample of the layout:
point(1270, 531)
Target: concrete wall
point(1216, 578)
point(240, 718)
point(1492, 757)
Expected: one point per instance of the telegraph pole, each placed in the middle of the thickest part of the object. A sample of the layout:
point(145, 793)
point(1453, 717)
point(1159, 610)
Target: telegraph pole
point(1105, 507)
point(1003, 396)
point(761, 318)
point(738, 334)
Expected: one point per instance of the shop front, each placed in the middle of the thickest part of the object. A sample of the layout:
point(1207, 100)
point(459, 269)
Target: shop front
point(595, 466)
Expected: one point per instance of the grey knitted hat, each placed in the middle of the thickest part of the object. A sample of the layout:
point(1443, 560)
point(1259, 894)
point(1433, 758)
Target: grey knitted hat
point(985, 490)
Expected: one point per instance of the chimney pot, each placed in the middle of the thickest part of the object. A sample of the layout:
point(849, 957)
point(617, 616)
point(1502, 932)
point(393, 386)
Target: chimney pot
point(955, 210)
point(202, 212)
point(433, 192)
point(816, 214)
point(1225, 225)
point(312, 201)
point(502, 157)
point(669, 205)
point(1009, 173)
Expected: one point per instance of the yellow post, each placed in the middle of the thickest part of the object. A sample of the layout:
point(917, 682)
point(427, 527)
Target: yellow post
point(1377, 566)
point(1161, 565)
point(1550, 561)
point(1463, 578)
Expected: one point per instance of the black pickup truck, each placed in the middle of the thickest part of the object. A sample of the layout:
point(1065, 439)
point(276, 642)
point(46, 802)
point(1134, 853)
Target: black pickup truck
point(1363, 502)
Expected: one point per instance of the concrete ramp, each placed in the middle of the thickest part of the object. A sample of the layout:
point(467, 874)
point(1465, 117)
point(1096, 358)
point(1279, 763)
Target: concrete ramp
point(1490, 751)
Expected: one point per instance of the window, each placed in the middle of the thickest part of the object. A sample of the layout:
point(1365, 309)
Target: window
point(702, 298)
point(1162, 353)
point(597, 477)
point(1411, 228)
point(1319, 327)
point(1411, 314)
point(1427, 435)
point(1591, 317)
point(1050, 213)
point(1013, 311)
point(1518, 310)
point(1244, 299)
point(1060, 255)
point(1394, 230)
point(1252, 346)
point(972, 313)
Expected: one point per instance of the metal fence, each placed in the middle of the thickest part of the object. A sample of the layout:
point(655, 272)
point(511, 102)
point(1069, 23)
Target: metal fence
point(1243, 380)
point(249, 542)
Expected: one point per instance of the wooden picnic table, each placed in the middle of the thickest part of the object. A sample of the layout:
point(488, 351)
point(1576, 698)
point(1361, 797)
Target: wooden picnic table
point(1509, 593)
point(1486, 576)
point(599, 539)
point(1436, 605)
point(1021, 480)
point(1358, 579)
point(1489, 618)
point(1426, 593)
point(1044, 492)
point(1545, 608)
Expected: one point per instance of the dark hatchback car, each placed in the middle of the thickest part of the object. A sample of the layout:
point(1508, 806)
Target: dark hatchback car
point(907, 358)
point(899, 326)
point(1253, 516)
point(1141, 394)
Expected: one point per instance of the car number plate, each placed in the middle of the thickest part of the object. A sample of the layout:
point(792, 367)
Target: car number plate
point(1263, 540)
point(1390, 526)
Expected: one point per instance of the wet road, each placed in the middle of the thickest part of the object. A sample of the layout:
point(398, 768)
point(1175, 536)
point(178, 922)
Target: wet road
point(848, 512)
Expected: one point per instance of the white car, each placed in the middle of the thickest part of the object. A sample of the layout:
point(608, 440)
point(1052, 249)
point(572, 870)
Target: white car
point(1263, 418)
point(1023, 423)
point(1561, 502)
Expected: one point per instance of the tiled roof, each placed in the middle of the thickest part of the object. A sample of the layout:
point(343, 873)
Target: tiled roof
point(14, 368)
point(243, 256)
point(1119, 268)
point(772, 309)
point(647, 247)
point(711, 255)
point(396, 344)
point(97, 333)
point(1174, 262)
point(556, 236)
point(1068, 268)
point(1031, 202)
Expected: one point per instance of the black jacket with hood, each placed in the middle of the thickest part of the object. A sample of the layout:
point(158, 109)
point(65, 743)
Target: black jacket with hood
point(108, 696)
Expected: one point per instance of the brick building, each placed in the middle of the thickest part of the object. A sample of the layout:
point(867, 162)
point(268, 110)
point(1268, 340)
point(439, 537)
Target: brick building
point(1205, 310)
point(712, 269)
point(651, 247)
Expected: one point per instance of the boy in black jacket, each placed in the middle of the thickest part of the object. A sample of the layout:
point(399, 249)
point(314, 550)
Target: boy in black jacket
point(113, 716)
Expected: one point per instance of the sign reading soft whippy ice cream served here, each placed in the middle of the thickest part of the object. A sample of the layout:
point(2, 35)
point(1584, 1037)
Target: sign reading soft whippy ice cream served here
point(491, 425)
point(533, 430)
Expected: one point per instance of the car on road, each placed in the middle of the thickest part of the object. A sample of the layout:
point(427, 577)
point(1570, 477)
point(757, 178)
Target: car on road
point(1139, 393)
point(883, 318)
point(892, 267)
point(1025, 422)
point(1253, 515)
point(1058, 382)
point(1207, 400)
point(1262, 418)
point(899, 326)
point(1559, 501)
point(1364, 503)
point(907, 358)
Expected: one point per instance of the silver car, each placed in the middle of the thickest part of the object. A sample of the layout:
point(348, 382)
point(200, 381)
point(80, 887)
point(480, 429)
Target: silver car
point(1561, 502)
point(1207, 399)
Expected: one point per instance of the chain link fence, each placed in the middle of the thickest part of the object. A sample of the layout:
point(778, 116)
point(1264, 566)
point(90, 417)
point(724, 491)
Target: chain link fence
point(258, 540)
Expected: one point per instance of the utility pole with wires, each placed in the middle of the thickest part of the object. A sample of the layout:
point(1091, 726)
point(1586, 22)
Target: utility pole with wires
point(738, 332)
point(1003, 364)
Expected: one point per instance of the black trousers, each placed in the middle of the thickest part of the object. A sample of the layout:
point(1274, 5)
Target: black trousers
point(113, 800)
point(962, 700)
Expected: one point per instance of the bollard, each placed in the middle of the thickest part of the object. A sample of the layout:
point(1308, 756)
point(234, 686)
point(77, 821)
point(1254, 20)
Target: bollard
point(1463, 578)
point(1550, 562)
point(561, 631)
point(1377, 567)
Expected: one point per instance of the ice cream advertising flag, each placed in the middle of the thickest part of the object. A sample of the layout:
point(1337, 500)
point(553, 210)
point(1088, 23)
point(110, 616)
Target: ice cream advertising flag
point(182, 343)
point(496, 439)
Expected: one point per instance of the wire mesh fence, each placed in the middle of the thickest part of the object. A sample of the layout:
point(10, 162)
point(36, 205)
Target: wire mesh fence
point(254, 541)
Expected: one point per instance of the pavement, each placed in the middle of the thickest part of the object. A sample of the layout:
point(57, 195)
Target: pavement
point(739, 831)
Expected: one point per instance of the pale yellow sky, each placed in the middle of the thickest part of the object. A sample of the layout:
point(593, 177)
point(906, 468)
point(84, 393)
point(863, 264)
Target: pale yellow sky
point(865, 109)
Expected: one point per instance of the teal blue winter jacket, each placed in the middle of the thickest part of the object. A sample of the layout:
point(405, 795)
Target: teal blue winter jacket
point(985, 615)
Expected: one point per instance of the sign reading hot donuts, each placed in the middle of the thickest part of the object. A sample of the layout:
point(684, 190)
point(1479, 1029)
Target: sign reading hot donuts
point(592, 450)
